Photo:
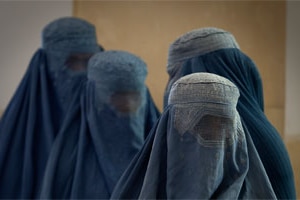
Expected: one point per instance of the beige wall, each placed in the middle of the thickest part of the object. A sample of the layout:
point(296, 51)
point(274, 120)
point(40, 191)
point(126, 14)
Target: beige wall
point(147, 28)
point(292, 108)
point(292, 94)
point(21, 37)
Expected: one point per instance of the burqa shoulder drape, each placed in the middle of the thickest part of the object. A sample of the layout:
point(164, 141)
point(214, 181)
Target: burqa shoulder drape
point(214, 50)
point(33, 117)
point(101, 133)
point(198, 149)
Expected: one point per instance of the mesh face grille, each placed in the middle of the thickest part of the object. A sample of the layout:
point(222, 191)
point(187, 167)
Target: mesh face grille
point(214, 130)
point(211, 124)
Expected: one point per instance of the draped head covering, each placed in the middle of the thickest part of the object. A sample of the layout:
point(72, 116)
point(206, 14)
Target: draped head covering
point(124, 84)
point(198, 149)
point(68, 43)
point(35, 112)
point(100, 135)
point(219, 53)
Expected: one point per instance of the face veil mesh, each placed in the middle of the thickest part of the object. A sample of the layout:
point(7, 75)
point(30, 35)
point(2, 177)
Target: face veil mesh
point(211, 124)
point(204, 105)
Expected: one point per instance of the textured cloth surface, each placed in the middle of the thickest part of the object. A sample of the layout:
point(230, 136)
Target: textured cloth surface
point(234, 65)
point(61, 39)
point(199, 42)
point(197, 150)
point(126, 77)
point(33, 117)
point(99, 138)
point(70, 34)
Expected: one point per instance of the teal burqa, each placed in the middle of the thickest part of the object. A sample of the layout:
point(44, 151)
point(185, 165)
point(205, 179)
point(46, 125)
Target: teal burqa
point(102, 132)
point(35, 113)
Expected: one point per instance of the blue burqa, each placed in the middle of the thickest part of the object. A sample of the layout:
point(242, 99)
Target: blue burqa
point(216, 51)
point(198, 149)
point(103, 132)
point(33, 117)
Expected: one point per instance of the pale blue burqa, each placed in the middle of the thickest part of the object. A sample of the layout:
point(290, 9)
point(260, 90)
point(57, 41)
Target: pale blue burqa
point(215, 50)
point(103, 132)
point(33, 117)
point(198, 149)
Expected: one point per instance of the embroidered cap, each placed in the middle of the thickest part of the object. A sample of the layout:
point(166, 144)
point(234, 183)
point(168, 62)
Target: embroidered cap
point(199, 42)
point(204, 87)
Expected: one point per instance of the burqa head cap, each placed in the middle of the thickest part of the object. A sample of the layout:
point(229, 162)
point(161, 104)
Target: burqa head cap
point(70, 33)
point(117, 70)
point(199, 42)
point(204, 87)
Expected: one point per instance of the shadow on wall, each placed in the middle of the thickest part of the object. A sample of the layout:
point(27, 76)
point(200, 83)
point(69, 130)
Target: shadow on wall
point(293, 146)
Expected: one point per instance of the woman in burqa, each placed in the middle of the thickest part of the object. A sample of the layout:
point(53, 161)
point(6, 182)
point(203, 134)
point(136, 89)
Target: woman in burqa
point(102, 134)
point(38, 107)
point(198, 149)
point(216, 51)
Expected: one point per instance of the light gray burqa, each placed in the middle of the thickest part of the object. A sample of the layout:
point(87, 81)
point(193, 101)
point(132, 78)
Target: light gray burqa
point(216, 51)
point(198, 150)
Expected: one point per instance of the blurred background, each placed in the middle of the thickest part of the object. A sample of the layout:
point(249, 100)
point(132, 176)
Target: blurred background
point(267, 31)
